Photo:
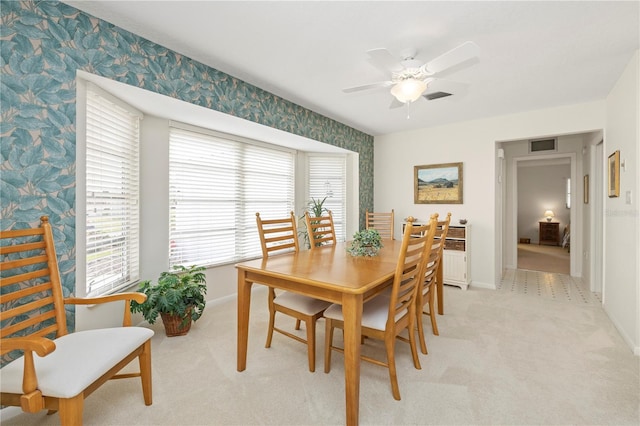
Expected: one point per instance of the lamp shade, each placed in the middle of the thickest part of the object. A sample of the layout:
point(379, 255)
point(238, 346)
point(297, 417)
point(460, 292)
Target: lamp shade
point(549, 215)
point(408, 90)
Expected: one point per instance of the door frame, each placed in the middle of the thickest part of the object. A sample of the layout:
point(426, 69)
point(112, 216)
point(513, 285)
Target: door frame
point(576, 241)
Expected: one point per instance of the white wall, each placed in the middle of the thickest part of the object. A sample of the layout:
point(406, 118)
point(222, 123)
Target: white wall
point(622, 240)
point(474, 144)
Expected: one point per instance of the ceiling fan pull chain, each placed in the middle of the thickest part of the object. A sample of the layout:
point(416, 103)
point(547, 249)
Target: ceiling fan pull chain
point(408, 116)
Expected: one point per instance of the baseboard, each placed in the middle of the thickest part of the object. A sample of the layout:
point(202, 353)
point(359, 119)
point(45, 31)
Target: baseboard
point(478, 284)
point(627, 339)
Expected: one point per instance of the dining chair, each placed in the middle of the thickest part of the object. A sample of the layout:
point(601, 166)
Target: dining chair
point(320, 229)
point(53, 368)
point(426, 295)
point(381, 222)
point(279, 236)
point(385, 318)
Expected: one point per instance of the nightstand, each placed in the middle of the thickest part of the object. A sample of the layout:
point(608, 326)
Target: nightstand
point(549, 233)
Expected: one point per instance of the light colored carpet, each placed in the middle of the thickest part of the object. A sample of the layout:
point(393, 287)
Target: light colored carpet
point(535, 257)
point(503, 357)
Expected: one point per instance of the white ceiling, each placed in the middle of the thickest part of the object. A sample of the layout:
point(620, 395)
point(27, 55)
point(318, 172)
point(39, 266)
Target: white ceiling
point(533, 54)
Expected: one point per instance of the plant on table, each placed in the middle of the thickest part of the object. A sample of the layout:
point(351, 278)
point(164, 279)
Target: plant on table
point(365, 243)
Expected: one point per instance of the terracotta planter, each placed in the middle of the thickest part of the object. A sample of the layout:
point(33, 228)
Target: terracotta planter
point(173, 324)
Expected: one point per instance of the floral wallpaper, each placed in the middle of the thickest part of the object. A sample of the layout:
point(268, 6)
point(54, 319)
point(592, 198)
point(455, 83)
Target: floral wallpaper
point(42, 45)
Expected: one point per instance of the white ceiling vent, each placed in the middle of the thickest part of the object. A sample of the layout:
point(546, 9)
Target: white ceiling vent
point(436, 95)
point(543, 145)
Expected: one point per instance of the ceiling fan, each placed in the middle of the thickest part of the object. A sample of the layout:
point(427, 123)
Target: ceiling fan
point(410, 78)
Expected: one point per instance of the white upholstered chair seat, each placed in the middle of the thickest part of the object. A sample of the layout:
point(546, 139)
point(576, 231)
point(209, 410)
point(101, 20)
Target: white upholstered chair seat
point(305, 304)
point(78, 360)
point(374, 313)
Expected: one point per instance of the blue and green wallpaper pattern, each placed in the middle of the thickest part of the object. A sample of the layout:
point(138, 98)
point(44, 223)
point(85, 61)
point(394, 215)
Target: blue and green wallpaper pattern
point(43, 43)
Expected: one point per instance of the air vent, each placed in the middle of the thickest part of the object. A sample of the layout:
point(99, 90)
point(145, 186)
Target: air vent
point(542, 145)
point(436, 95)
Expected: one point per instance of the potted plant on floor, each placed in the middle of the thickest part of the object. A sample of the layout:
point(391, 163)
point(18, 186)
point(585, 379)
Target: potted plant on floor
point(178, 298)
point(365, 243)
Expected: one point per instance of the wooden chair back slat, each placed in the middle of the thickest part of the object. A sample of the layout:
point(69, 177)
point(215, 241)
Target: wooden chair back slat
point(22, 309)
point(27, 291)
point(29, 323)
point(410, 268)
point(432, 277)
point(381, 222)
point(43, 332)
point(26, 324)
point(277, 235)
point(38, 245)
point(24, 277)
point(27, 261)
point(29, 266)
point(435, 253)
point(16, 233)
point(321, 230)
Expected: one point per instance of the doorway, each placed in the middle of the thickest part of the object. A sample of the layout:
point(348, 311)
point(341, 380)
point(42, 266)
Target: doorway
point(543, 214)
point(587, 173)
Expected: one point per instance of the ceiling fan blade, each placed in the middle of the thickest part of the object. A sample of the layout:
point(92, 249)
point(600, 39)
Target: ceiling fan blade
point(455, 56)
point(383, 60)
point(368, 86)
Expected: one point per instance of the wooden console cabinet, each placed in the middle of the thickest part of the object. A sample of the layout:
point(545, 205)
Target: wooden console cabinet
point(549, 233)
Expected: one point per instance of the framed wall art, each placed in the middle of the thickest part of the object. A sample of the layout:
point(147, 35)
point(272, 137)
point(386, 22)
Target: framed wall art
point(438, 184)
point(614, 175)
point(585, 189)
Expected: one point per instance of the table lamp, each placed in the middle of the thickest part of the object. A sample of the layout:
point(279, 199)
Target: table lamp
point(549, 215)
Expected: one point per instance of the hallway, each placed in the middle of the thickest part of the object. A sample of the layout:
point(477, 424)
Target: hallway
point(561, 287)
point(535, 257)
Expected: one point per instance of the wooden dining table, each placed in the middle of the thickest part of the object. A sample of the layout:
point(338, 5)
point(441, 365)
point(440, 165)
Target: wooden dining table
point(328, 273)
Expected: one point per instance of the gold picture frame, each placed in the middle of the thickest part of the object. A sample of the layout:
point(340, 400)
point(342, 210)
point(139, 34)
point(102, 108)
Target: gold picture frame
point(438, 184)
point(585, 189)
point(614, 175)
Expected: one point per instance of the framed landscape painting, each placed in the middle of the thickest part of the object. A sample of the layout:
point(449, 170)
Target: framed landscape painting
point(614, 175)
point(438, 184)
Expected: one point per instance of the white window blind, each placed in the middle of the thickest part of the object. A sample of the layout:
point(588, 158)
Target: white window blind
point(327, 178)
point(112, 193)
point(217, 184)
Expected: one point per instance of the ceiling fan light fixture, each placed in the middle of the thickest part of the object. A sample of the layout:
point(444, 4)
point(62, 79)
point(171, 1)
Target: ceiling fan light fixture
point(408, 90)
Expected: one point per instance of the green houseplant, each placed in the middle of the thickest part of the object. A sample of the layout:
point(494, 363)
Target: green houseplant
point(316, 208)
point(365, 243)
point(178, 298)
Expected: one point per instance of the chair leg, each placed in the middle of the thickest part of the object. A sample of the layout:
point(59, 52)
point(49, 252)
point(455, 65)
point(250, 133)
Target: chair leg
point(70, 410)
point(432, 314)
point(423, 343)
point(297, 324)
point(412, 341)
point(311, 343)
point(272, 318)
point(328, 342)
point(144, 360)
point(389, 343)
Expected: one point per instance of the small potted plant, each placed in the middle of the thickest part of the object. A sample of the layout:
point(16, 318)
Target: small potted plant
point(178, 298)
point(365, 243)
